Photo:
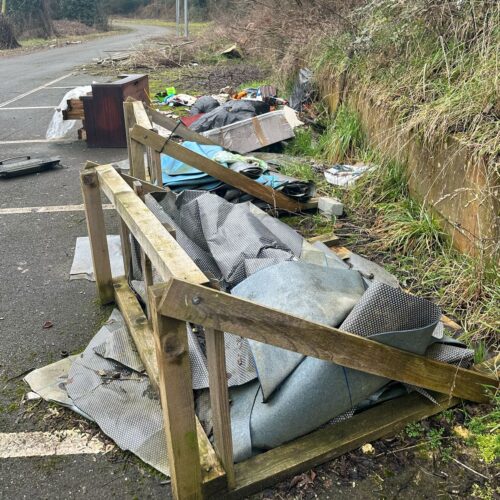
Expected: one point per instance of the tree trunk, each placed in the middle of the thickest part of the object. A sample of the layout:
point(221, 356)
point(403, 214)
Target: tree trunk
point(7, 37)
point(48, 26)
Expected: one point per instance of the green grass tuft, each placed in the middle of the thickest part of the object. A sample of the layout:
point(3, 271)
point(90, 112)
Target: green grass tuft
point(343, 137)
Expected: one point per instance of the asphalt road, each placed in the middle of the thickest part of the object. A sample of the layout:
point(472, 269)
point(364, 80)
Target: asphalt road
point(36, 251)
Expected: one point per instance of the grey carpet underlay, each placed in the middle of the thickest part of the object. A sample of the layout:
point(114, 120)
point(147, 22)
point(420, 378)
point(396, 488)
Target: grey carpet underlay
point(276, 395)
point(118, 398)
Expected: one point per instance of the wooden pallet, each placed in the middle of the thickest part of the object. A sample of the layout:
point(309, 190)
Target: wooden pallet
point(198, 469)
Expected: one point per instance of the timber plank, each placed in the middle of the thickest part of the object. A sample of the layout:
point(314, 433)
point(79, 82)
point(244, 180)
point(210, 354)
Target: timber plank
point(135, 149)
point(166, 255)
point(140, 329)
point(180, 129)
point(177, 402)
point(330, 442)
point(265, 193)
point(146, 186)
point(329, 240)
point(219, 310)
point(216, 359)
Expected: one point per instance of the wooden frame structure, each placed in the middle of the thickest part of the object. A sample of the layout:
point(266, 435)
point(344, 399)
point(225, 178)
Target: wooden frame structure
point(198, 469)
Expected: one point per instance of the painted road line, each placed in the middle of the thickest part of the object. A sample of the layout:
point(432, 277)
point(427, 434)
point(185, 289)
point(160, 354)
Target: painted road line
point(41, 87)
point(39, 141)
point(51, 209)
point(21, 108)
point(43, 444)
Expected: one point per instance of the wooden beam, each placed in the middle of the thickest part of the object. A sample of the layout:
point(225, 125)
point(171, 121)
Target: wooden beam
point(166, 255)
point(154, 165)
point(97, 235)
point(219, 398)
point(180, 129)
point(134, 113)
point(176, 392)
point(332, 441)
point(329, 240)
point(126, 248)
point(265, 193)
point(219, 310)
point(146, 186)
point(214, 477)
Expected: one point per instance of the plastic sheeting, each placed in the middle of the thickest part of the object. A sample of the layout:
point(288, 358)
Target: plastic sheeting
point(82, 267)
point(59, 128)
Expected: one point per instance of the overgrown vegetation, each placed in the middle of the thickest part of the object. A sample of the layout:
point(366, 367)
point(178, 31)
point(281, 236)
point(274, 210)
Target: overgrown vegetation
point(434, 63)
point(385, 222)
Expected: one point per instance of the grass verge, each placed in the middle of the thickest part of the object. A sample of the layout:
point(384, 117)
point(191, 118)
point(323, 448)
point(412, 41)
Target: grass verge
point(386, 223)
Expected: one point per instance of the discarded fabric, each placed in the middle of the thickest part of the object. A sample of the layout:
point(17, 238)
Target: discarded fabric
point(229, 112)
point(204, 104)
point(179, 100)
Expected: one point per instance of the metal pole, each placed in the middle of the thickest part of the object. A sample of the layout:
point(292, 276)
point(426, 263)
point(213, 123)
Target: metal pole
point(186, 19)
point(177, 17)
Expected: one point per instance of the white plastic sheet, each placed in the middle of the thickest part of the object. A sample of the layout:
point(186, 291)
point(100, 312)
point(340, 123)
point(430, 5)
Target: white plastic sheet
point(59, 128)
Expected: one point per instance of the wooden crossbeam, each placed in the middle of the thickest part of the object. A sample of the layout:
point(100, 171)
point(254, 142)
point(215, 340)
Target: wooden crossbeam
point(180, 129)
point(166, 255)
point(330, 442)
point(265, 193)
point(221, 311)
point(146, 186)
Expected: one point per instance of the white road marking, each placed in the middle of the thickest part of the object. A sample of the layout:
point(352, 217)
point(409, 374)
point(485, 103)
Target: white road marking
point(27, 107)
point(41, 87)
point(42, 444)
point(50, 209)
point(38, 141)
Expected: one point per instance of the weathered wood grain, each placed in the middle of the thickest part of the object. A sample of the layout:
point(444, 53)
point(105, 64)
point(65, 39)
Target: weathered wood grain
point(221, 311)
point(214, 477)
point(275, 198)
point(97, 235)
point(166, 255)
point(219, 398)
point(330, 442)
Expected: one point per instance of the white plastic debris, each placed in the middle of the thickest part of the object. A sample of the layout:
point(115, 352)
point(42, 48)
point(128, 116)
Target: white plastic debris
point(345, 175)
point(59, 128)
point(368, 449)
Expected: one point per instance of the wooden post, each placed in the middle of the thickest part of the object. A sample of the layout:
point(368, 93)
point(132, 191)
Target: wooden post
point(126, 250)
point(135, 149)
point(146, 267)
point(97, 235)
point(177, 402)
point(219, 399)
point(154, 165)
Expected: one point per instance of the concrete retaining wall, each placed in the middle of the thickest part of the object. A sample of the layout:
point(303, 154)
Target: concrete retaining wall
point(445, 176)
